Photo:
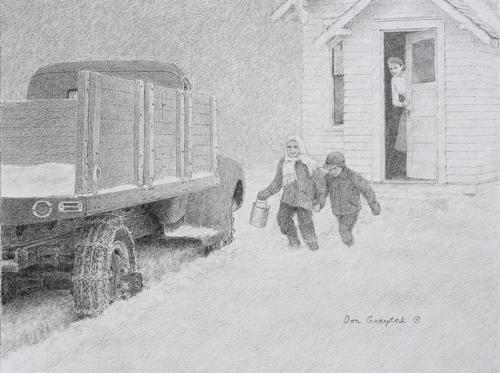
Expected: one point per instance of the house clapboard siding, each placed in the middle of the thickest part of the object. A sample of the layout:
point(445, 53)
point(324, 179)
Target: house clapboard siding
point(472, 106)
point(488, 109)
point(461, 84)
point(318, 135)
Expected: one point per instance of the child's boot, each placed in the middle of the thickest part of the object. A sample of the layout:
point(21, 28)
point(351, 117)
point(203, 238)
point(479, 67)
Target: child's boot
point(346, 235)
point(293, 241)
point(313, 245)
point(348, 239)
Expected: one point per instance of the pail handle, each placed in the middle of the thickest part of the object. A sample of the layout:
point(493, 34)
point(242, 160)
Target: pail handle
point(262, 203)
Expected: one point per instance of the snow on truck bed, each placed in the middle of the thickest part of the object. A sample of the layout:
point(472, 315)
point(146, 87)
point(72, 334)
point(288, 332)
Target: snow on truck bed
point(39, 180)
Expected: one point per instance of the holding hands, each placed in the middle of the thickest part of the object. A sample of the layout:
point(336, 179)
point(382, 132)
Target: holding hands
point(262, 195)
point(319, 203)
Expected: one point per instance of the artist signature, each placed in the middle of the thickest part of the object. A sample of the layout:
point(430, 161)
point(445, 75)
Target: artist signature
point(383, 321)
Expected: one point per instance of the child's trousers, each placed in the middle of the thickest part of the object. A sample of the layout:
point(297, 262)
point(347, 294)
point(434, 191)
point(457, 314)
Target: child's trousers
point(346, 225)
point(287, 225)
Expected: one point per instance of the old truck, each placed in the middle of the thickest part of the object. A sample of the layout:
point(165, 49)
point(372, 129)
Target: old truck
point(100, 154)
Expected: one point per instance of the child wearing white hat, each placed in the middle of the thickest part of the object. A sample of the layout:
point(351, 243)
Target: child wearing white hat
point(303, 190)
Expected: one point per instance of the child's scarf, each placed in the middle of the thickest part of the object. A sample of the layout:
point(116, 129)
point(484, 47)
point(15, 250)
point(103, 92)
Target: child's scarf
point(289, 173)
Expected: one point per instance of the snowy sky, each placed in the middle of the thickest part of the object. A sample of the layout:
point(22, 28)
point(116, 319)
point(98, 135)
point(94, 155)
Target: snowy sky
point(229, 48)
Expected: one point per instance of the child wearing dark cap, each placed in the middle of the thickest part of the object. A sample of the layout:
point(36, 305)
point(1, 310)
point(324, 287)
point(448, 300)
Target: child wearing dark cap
point(344, 187)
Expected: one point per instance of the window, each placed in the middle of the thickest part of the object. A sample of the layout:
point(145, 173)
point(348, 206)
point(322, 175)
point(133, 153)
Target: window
point(338, 85)
point(423, 61)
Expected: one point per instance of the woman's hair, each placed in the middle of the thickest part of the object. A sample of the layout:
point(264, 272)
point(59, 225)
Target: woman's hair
point(395, 60)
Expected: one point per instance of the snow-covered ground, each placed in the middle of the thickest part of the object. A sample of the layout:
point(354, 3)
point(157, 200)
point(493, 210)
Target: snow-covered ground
point(33, 318)
point(256, 306)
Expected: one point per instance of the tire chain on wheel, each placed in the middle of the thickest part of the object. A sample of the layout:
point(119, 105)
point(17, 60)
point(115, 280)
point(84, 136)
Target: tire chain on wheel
point(92, 262)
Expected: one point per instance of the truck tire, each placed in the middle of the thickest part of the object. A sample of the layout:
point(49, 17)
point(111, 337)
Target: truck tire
point(9, 290)
point(105, 266)
point(238, 196)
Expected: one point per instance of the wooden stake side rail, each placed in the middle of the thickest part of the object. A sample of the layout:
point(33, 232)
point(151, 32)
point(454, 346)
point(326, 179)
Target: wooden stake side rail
point(213, 134)
point(180, 138)
point(204, 133)
point(188, 138)
point(139, 93)
point(148, 134)
point(82, 135)
point(94, 122)
point(161, 118)
point(115, 148)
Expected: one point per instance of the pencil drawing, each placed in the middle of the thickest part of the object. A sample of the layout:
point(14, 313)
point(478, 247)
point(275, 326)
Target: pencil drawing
point(250, 186)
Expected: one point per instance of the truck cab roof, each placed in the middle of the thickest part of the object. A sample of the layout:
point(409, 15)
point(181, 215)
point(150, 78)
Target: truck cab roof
point(59, 80)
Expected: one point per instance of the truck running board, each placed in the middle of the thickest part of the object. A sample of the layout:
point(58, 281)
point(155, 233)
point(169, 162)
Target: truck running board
point(207, 238)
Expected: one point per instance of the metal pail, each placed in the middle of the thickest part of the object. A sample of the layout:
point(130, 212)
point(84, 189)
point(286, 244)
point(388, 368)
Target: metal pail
point(260, 212)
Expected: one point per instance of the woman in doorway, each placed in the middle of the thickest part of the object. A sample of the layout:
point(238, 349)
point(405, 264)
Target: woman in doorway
point(401, 107)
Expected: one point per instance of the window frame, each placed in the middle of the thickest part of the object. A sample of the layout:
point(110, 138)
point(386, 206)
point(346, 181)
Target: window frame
point(72, 94)
point(419, 64)
point(328, 88)
point(336, 76)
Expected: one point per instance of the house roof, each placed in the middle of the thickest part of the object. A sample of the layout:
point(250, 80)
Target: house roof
point(470, 10)
point(466, 12)
point(291, 9)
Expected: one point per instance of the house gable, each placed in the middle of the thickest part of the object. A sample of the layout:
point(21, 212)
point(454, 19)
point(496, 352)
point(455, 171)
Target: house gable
point(462, 11)
point(289, 10)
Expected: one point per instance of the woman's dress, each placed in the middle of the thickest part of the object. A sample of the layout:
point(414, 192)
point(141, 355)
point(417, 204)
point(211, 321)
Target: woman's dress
point(399, 94)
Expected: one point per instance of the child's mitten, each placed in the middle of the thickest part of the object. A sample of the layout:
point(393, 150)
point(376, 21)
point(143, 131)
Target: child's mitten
point(263, 195)
point(321, 201)
point(375, 207)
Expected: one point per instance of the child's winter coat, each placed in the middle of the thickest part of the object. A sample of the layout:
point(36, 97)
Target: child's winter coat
point(306, 191)
point(344, 191)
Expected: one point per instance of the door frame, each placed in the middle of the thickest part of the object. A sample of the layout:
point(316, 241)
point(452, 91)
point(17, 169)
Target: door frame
point(405, 25)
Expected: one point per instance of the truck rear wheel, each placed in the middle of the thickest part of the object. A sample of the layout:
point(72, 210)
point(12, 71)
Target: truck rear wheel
point(105, 266)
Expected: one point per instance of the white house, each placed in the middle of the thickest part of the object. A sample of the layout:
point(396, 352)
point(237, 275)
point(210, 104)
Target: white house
point(451, 53)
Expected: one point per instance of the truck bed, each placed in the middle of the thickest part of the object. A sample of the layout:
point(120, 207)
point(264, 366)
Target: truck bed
point(120, 143)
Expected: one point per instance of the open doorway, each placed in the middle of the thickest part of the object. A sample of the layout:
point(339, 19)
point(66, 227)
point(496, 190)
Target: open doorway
point(411, 105)
point(395, 161)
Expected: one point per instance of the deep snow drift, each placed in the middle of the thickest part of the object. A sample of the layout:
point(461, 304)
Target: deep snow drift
point(256, 306)
point(33, 318)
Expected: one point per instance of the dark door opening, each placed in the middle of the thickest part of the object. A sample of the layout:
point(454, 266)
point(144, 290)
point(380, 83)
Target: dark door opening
point(395, 161)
